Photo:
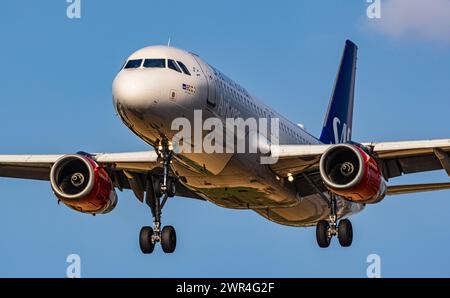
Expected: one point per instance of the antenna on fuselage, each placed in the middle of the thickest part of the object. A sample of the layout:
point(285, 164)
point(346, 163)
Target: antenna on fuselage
point(168, 42)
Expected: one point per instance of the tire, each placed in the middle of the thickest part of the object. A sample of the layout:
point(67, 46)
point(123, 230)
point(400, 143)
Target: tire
point(345, 233)
point(171, 188)
point(322, 237)
point(157, 182)
point(168, 239)
point(145, 240)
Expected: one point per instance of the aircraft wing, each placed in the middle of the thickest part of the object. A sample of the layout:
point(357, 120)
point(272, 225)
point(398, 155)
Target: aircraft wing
point(412, 157)
point(127, 170)
point(412, 188)
point(395, 159)
point(38, 166)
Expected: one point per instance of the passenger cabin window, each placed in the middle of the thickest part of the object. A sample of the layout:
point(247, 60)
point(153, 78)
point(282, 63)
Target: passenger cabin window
point(184, 68)
point(172, 65)
point(155, 63)
point(133, 63)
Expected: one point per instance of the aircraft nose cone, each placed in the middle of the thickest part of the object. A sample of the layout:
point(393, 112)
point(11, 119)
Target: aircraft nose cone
point(134, 89)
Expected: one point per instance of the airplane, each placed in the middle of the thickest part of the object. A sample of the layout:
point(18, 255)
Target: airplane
point(318, 182)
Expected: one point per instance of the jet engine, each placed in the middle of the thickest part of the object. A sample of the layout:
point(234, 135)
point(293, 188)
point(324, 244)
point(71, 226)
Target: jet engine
point(351, 173)
point(81, 184)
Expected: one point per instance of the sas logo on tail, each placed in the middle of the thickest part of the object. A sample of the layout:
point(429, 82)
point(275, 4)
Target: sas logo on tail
point(346, 133)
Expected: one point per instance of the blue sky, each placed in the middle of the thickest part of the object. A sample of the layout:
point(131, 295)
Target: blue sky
point(56, 98)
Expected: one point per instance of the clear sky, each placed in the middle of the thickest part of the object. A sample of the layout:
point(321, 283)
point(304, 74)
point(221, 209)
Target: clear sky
point(55, 95)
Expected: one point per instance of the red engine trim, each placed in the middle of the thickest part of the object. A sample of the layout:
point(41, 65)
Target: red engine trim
point(371, 186)
point(102, 196)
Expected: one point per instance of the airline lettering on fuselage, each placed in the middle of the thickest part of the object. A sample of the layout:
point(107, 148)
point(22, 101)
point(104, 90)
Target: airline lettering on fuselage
point(345, 135)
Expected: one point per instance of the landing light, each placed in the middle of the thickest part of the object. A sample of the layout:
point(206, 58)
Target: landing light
point(290, 177)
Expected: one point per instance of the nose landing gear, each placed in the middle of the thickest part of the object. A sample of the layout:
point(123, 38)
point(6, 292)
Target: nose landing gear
point(326, 229)
point(158, 190)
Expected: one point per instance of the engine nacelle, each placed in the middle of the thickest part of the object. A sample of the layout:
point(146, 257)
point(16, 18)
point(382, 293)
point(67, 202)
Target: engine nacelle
point(353, 174)
point(81, 184)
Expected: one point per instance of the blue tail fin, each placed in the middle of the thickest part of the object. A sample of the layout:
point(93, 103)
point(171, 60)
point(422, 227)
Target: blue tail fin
point(337, 127)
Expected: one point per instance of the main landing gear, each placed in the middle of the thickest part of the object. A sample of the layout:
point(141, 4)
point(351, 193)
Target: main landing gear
point(326, 229)
point(158, 190)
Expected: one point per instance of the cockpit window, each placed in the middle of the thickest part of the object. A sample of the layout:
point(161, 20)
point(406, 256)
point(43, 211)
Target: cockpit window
point(155, 63)
point(184, 68)
point(172, 65)
point(133, 63)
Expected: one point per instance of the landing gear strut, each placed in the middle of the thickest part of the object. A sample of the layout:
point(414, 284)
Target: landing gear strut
point(326, 229)
point(158, 190)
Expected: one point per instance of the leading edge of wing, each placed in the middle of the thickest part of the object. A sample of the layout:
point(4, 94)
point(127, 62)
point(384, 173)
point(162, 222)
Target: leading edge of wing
point(382, 149)
point(404, 148)
point(125, 157)
point(300, 151)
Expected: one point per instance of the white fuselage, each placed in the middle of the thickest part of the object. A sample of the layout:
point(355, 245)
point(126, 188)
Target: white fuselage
point(148, 96)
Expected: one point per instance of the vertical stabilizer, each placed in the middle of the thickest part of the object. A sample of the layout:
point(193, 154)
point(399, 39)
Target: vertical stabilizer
point(337, 127)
